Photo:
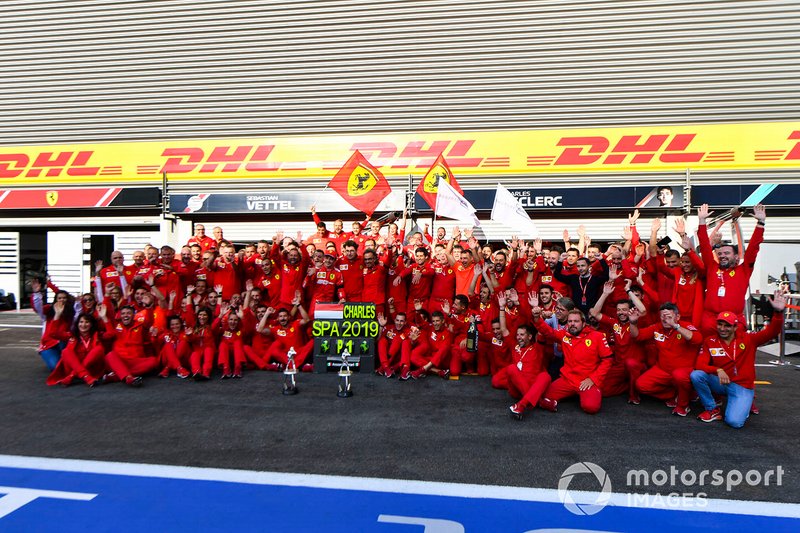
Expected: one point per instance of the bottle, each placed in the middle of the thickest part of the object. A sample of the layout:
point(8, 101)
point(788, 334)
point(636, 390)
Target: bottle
point(472, 337)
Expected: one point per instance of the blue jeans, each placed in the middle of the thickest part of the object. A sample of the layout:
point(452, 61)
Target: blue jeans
point(52, 356)
point(740, 399)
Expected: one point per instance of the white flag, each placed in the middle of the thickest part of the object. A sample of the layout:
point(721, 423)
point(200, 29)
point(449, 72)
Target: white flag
point(450, 204)
point(508, 211)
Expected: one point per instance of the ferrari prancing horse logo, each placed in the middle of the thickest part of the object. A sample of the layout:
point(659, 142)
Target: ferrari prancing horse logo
point(361, 181)
point(52, 198)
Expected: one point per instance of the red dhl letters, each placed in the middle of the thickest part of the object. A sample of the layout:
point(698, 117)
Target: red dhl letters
point(589, 150)
point(14, 165)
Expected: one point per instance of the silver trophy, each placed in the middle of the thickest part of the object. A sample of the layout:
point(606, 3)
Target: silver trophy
point(345, 374)
point(290, 374)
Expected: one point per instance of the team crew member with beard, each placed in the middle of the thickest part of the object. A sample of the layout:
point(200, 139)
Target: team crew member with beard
point(127, 359)
point(83, 356)
point(390, 346)
point(554, 355)
point(421, 276)
point(525, 378)
point(293, 264)
point(587, 359)
point(585, 287)
point(429, 349)
point(227, 272)
point(200, 238)
point(676, 342)
point(352, 268)
point(286, 334)
point(727, 281)
point(375, 276)
point(726, 365)
point(328, 283)
point(629, 358)
point(443, 286)
point(231, 344)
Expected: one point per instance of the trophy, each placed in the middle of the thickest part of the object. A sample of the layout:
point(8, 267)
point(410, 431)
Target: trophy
point(290, 374)
point(345, 386)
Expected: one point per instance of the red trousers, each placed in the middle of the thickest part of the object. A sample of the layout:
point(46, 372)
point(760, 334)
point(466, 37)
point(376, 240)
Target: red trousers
point(622, 377)
point(390, 351)
point(175, 357)
point(422, 354)
point(526, 388)
point(590, 399)
point(230, 352)
point(92, 364)
point(277, 353)
point(254, 358)
point(500, 378)
point(666, 385)
point(124, 367)
point(202, 360)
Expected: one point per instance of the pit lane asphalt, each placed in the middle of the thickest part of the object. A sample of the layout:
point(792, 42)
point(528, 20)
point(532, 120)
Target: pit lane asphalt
point(431, 430)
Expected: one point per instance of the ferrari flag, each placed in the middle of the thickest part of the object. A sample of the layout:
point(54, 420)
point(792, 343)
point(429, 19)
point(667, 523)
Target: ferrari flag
point(429, 186)
point(360, 184)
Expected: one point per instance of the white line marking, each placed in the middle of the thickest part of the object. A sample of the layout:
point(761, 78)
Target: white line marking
point(20, 326)
point(401, 486)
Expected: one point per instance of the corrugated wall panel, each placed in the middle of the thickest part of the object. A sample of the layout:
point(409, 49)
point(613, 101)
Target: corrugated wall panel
point(107, 70)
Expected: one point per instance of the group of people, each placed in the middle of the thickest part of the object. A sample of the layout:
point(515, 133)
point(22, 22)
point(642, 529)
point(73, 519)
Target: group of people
point(637, 318)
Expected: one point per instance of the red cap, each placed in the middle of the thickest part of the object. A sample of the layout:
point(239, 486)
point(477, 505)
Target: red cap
point(727, 316)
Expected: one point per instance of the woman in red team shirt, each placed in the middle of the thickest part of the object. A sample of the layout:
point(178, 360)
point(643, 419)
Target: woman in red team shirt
point(175, 348)
point(58, 319)
point(203, 346)
point(83, 356)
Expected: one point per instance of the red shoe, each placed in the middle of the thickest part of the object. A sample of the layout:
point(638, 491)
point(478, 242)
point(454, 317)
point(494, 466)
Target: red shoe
point(634, 400)
point(164, 372)
point(444, 374)
point(549, 405)
point(515, 411)
point(381, 370)
point(419, 373)
point(89, 380)
point(405, 374)
point(672, 403)
point(753, 409)
point(133, 381)
point(681, 411)
point(388, 372)
point(710, 416)
point(308, 367)
point(272, 367)
point(237, 374)
point(183, 373)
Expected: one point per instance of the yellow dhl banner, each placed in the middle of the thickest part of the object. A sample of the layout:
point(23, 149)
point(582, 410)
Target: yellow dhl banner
point(632, 149)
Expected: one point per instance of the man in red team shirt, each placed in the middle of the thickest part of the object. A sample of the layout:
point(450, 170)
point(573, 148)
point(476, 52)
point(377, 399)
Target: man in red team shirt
point(443, 286)
point(726, 365)
point(288, 333)
point(429, 348)
point(727, 281)
point(587, 359)
point(116, 273)
point(421, 278)
point(375, 276)
point(227, 272)
point(328, 283)
point(127, 358)
point(200, 238)
point(527, 377)
point(677, 343)
point(352, 268)
point(629, 358)
point(390, 346)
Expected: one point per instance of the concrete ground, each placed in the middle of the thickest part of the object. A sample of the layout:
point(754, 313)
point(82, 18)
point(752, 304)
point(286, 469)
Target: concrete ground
point(434, 430)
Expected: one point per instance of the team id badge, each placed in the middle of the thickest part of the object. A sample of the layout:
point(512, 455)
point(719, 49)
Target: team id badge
point(721, 291)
